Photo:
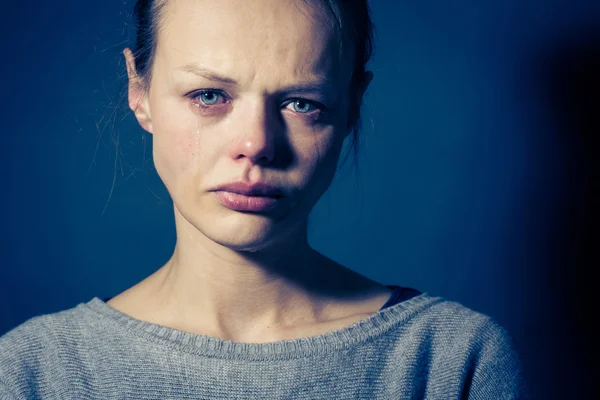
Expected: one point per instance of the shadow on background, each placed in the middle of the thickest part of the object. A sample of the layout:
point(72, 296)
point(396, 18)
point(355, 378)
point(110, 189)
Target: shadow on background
point(566, 76)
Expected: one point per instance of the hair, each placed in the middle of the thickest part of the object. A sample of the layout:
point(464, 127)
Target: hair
point(352, 24)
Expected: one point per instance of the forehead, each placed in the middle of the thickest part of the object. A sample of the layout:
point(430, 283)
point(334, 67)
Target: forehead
point(281, 39)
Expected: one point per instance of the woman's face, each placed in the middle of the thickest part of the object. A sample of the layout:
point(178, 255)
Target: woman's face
point(245, 91)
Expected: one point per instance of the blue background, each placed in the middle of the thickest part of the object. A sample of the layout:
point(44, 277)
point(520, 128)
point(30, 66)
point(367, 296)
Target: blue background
point(479, 172)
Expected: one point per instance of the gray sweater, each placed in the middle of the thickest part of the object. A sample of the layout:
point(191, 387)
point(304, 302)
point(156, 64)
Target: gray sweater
point(422, 348)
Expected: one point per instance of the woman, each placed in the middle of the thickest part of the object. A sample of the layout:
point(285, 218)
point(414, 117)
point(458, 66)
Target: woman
point(249, 104)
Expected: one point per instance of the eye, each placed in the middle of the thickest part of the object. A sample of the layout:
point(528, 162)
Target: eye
point(304, 106)
point(208, 97)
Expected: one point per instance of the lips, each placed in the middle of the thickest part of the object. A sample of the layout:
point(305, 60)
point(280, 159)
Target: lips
point(251, 189)
point(241, 202)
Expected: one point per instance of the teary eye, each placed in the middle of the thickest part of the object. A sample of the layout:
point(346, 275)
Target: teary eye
point(209, 97)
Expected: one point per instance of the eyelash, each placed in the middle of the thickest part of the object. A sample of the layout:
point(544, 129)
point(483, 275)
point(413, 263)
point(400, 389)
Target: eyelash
point(195, 97)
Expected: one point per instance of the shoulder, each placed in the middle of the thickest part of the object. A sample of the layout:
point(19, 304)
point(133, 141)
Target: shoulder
point(474, 346)
point(455, 326)
point(445, 320)
point(443, 317)
point(41, 350)
point(43, 330)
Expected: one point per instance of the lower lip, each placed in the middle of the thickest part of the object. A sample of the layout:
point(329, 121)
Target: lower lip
point(240, 202)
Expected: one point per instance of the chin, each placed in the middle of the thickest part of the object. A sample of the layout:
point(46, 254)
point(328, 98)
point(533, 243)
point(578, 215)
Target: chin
point(251, 236)
point(240, 232)
point(250, 246)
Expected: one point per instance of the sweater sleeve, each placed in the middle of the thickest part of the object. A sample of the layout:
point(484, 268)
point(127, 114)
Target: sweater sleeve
point(496, 370)
point(22, 354)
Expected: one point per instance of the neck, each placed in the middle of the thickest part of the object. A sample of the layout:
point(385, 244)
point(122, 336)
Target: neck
point(208, 288)
point(221, 290)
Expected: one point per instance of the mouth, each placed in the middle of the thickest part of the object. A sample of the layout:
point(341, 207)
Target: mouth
point(260, 188)
point(242, 202)
point(275, 196)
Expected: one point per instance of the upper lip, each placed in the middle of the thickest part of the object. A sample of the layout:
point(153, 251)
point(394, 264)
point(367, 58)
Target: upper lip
point(251, 189)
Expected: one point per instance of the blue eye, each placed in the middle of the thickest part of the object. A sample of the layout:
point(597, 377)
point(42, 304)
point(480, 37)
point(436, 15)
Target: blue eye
point(303, 106)
point(208, 97)
point(210, 101)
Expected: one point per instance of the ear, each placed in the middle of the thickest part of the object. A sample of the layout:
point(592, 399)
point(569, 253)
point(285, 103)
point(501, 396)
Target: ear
point(137, 93)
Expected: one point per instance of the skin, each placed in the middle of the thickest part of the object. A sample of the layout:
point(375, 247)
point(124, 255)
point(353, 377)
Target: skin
point(243, 276)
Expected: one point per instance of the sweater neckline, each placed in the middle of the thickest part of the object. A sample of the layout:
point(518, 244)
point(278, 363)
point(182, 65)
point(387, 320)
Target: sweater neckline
point(364, 330)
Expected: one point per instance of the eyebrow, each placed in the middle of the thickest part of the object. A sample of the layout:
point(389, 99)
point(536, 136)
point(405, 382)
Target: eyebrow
point(317, 86)
point(207, 73)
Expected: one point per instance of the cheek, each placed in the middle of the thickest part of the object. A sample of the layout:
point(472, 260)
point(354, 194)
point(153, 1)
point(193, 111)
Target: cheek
point(319, 159)
point(176, 148)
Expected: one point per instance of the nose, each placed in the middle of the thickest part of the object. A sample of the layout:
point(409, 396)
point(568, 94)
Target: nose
point(257, 126)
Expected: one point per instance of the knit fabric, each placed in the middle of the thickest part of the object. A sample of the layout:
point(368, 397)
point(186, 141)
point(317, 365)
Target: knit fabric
point(422, 348)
